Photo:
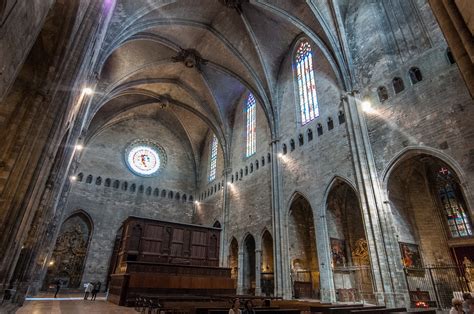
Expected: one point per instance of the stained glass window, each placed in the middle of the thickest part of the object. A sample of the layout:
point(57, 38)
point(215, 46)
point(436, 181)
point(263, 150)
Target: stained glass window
point(213, 159)
point(451, 199)
point(306, 84)
point(250, 109)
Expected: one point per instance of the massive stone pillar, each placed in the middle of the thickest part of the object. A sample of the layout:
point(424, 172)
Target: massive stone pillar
point(240, 271)
point(388, 281)
point(258, 270)
point(282, 264)
point(224, 253)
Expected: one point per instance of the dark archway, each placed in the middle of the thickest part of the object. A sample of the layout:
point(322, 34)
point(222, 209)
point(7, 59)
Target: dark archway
point(68, 258)
point(350, 254)
point(267, 267)
point(248, 269)
point(302, 249)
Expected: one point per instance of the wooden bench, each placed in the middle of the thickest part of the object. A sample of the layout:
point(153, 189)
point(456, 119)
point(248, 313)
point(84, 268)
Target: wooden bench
point(380, 311)
point(280, 311)
point(349, 309)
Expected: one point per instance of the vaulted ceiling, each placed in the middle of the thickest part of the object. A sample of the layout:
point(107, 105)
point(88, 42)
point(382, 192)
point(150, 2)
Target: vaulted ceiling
point(196, 59)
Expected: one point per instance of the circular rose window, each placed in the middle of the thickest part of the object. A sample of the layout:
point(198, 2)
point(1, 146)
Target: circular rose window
point(145, 158)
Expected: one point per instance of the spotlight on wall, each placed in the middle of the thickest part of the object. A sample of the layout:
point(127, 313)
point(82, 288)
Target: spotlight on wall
point(51, 263)
point(79, 147)
point(280, 155)
point(229, 183)
point(367, 106)
point(88, 91)
point(196, 202)
point(73, 178)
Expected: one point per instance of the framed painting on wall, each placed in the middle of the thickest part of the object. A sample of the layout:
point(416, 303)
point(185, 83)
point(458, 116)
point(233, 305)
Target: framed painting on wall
point(411, 257)
point(338, 251)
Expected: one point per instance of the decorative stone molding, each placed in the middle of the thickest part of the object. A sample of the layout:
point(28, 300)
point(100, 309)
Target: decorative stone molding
point(191, 59)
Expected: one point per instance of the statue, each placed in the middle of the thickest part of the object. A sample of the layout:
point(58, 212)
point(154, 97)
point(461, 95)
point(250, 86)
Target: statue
point(469, 272)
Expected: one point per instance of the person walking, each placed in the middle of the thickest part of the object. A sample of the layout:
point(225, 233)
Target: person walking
point(89, 288)
point(235, 309)
point(96, 290)
point(58, 286)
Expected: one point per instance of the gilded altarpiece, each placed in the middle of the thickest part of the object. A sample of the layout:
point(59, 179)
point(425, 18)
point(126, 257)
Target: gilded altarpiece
point(67, 261)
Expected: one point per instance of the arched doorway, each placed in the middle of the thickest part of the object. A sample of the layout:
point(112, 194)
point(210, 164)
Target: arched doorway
point(67, 261)
point(234, 260)
point(248, 269)
point(349, 250)
point(302, 249)
point(433, 225)
point(267, 267)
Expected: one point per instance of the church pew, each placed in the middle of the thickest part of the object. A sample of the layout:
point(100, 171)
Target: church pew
point(380, 311)
point(263, 311)
point(329, 308)
point(349, 309)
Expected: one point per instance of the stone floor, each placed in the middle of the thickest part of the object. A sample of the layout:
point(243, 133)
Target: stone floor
point(70, 304)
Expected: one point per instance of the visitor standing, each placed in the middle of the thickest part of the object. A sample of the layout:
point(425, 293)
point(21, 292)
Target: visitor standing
point(235, 309)
point(89, 287)
point(96, 290)
point(457, 307)
point(248, 307)
point(58, 286)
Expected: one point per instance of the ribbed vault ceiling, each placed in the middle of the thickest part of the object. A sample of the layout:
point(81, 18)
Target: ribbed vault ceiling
point(241, 48)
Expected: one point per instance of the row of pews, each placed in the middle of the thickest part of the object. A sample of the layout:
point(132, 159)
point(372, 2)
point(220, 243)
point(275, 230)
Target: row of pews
point(221, 305)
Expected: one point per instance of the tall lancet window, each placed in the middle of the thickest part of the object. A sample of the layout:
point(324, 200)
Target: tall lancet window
point(306, 84)
point(213, 159)
point(250, 109)
point(453, 203)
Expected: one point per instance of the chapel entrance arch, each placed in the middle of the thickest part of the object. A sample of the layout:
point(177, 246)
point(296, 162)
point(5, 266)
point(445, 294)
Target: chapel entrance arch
point(68, 258)
point(302, 249)
point(350, 259)
point(248, 284)
point(267, 267)
point(433, 225)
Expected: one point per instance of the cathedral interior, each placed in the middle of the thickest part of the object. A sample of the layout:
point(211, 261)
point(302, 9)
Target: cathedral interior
point(332, 161)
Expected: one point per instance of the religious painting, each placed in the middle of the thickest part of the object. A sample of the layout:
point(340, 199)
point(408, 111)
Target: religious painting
point(338, 251)
point(411, 257)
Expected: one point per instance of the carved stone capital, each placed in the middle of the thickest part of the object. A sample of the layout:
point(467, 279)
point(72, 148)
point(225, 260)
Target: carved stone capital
point(191, 59)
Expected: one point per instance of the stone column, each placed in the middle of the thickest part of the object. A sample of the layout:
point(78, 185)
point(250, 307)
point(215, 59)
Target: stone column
point(258, 271)
point(240, 272)
point(388, 284)
point(326, 278)
point(224, 251)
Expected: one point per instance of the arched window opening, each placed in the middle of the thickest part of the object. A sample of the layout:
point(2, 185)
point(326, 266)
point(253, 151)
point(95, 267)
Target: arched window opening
point(107, 182)
point(80, 176)
point(190, 198)
point(415, 75)
point(218, 186)
point(98, 181)
point(89, 179)
point(251, 168)
point(237, 176)
point(124, 185)
point(256, 164)
point(163, 193)
point(300, 139)
point(246, 170)
point(116, 184)
point(232, 180)
point(251, 113)
point(330, 124)
point(292, 145)
point(382, 93)
point(319, 129)
point(241, 174)
point(170, 194)
point(156, 192)
point(452, 201)
point(269, 158)
point(285, 150)
point(263, 161)
point(450, 56)
point(308, 100)
point(177, 196)
point(213, 159)
point(148, 190)
point(342, 117)
point(141, 189)
point(310, 135)
point(133, 187)
point(184, 198)
point(398, 85)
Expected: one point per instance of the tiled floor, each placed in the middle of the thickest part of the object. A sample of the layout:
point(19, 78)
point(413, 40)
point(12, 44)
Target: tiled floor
point(70, 304)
